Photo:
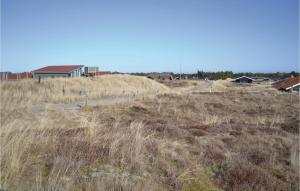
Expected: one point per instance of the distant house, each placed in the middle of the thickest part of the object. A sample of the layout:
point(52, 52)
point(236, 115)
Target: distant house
point(261, 79)
point(101, 73)
point(290, 84)
point(70, 71)
point(278, 79)
point(4, 75)
point(19, 76)
point(15, 76)
point(160, 76)
point(243, 79)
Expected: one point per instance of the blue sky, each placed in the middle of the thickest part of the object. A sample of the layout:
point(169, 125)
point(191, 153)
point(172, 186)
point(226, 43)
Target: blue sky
point(151, 35)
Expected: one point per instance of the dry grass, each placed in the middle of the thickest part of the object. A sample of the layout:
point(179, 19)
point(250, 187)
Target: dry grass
point(231, 141)
point(227, 85)
point(64, 90)
point(182, 86)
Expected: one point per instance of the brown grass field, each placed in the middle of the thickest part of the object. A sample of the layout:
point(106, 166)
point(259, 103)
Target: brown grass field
point(230, 140)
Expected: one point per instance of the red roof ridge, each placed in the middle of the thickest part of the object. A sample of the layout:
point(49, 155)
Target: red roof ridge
point(59, 68)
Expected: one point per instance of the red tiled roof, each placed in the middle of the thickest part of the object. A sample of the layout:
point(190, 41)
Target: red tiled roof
point(286, 84)
point(66, 68)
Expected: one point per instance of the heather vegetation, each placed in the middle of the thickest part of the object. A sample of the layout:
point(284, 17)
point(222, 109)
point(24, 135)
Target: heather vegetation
point(171, 140)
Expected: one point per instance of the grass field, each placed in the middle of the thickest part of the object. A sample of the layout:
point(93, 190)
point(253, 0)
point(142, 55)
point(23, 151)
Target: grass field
point(23, 94)
point(163, 141)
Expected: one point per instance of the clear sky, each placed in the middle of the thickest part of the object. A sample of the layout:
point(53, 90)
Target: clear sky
point(151, 35)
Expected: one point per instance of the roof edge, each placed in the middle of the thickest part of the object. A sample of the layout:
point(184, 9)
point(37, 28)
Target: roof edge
point(38, 70)
point(292, 86)
point(243, 77)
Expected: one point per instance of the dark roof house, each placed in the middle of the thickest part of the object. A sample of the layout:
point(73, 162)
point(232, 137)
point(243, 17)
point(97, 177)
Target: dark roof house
point(243, 79)
point(58, 71)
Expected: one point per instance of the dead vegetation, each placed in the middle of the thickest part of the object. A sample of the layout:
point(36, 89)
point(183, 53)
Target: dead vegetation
point(182, 86)
point(233, 141)
point(227, 85)
point(65, 90)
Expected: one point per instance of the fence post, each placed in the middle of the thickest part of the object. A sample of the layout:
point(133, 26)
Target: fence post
point(85, 99)
point(291, 98)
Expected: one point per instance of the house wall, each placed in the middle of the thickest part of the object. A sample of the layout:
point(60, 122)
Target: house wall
point(75, 73)
point(72, 74)
point(4, 75)
point(19, 76)
point(51, 75)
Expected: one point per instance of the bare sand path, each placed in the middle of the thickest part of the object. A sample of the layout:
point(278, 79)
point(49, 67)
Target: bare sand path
point(78, 105)
point(205, 87)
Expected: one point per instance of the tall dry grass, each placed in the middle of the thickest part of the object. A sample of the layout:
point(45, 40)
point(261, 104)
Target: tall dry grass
point(172, 142)
point(227, 85)
point(183, 86)
point(64, 90)
point(51, 152)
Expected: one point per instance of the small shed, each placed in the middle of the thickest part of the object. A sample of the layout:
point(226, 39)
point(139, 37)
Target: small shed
point(91, 70)
point(243, 79)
